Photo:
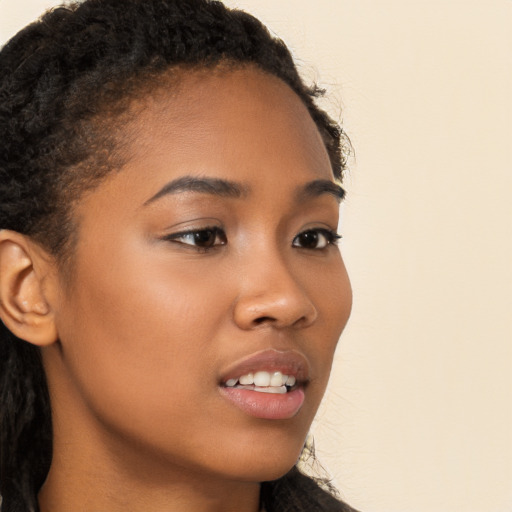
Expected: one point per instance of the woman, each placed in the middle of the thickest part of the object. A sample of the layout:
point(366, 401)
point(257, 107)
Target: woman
point(170, 283)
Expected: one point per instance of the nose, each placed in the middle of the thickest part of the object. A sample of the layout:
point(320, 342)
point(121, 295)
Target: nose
point(271, 295)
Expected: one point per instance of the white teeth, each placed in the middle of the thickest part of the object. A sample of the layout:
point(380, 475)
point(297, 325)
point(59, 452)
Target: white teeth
point(277, 379)
point(246, 380)
point(264, 380)
point(277, 390)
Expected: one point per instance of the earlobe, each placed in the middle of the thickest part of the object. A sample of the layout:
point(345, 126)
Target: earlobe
point(23, 305)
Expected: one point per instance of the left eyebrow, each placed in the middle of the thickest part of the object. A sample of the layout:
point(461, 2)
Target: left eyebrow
point(202, 185)
point(319, 187)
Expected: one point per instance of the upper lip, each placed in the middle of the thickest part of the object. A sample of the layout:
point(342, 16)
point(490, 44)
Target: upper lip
point(288, 362)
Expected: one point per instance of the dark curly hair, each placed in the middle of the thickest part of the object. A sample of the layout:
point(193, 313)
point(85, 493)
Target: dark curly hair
point(66, 82)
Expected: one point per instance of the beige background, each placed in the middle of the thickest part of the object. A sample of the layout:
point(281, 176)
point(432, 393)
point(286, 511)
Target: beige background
point(419, 413)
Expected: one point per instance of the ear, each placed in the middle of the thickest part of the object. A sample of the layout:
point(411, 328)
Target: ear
point(23, 274)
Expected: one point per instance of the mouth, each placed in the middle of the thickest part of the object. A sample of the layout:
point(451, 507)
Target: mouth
point(268, 384)
point(264, 382)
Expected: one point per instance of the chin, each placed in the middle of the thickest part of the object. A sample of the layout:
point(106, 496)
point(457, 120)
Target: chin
point(267, 459)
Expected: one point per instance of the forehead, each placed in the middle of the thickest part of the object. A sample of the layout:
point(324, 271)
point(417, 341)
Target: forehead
point(211, 119)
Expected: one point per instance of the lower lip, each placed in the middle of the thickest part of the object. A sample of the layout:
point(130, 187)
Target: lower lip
point(268, 406)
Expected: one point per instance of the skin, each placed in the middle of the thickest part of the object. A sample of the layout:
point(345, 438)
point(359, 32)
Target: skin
point(148, 325)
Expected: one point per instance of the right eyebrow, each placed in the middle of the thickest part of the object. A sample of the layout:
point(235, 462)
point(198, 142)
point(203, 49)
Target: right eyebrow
point(317, 188)
point(204, 185)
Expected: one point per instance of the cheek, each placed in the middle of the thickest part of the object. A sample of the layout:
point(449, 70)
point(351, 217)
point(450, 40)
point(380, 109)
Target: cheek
point(329, 287)
point(338, 298)
point(153, 296)
point(135, 335)
point(331, 293)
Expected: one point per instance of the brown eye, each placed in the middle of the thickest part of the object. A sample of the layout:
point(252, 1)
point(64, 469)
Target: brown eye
point(315, 239)
point(205, 238)
point(201, 238)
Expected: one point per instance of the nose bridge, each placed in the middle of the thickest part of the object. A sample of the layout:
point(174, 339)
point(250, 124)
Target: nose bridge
point(270, 292)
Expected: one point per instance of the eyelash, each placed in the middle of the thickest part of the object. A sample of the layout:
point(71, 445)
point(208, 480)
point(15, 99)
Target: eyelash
point(315, 235)
point(193, 234)
point(330, 237)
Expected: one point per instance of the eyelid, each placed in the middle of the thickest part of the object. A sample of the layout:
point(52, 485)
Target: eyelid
point(216, 230)
point(190, 231)
point(331, 236)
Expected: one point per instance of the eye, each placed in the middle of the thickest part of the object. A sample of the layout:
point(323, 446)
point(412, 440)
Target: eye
point(316, 239)
point(204, 238)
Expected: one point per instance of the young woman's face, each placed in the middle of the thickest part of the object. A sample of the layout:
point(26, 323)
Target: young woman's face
point(209, 257)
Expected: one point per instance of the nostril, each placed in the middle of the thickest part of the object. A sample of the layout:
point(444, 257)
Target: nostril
point(263, 319)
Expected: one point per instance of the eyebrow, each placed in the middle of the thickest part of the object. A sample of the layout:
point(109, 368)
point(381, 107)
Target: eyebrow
point(319, 187)
point(214, 186)
point(226, 188)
